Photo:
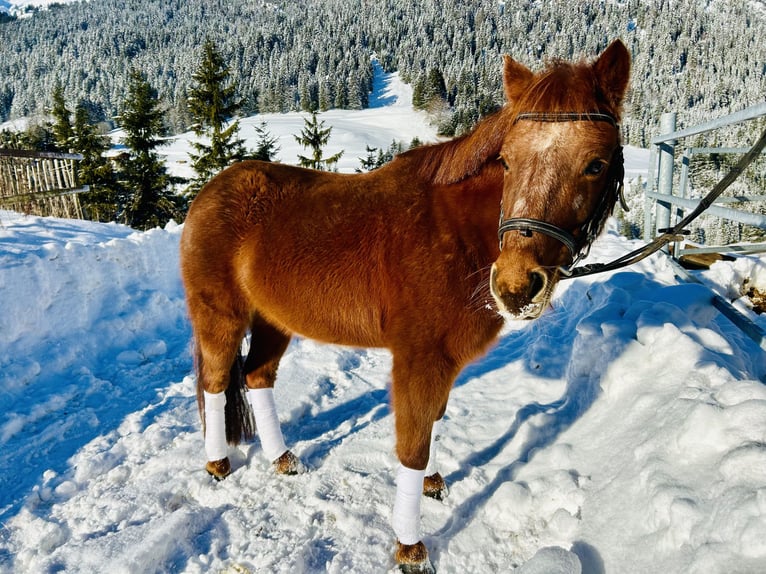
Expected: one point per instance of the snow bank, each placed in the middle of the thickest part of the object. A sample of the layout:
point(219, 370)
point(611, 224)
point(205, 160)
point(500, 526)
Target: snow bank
point(84, 308)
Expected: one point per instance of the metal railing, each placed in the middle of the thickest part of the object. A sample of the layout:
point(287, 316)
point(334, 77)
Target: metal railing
point(662, 169)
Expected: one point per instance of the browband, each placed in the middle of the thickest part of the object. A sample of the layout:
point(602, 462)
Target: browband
point(566, 117)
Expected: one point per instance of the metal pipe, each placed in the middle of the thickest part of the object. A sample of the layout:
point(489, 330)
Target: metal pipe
point(665, 180)
point(750, 113)
point(753, 219)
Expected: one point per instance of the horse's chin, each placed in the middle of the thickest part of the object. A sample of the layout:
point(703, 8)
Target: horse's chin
point(528, 312)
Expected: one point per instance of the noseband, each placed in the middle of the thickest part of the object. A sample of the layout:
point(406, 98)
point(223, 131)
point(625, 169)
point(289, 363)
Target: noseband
point(591, 228)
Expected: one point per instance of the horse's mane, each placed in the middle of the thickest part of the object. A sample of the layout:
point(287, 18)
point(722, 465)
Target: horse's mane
point(459, 158)
point(561, 87)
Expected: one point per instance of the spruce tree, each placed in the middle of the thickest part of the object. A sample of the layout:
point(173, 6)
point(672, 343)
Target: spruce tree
point(315, 136)
point(94, 170)
point(212, 103)
point(266, 147)
point(39, 137)
point(62, 122)
point(149, 201)
point(371, 161)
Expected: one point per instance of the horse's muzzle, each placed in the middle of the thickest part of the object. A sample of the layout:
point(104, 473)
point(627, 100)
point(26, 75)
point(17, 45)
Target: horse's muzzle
point(521, 295)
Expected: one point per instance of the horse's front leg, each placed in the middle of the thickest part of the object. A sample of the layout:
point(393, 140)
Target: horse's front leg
point(419, 396)
point(433, 483)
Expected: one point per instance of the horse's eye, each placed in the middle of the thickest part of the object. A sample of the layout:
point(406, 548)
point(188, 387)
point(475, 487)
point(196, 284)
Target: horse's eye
point(502, 161)
point(595, 167)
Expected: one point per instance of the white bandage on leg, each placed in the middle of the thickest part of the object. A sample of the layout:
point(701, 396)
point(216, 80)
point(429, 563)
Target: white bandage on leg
point(267, 422)
point(215, 426)
point(406, 517)
point(435, 432)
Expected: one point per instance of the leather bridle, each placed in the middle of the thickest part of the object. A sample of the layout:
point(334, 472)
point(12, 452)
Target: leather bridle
point(589, 230)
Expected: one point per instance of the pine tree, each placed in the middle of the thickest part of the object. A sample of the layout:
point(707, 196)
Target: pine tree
point(149, 201)
point(62, 124)
point(39, 137)
point(315, 136)
point(212, 104)
point(94, 170)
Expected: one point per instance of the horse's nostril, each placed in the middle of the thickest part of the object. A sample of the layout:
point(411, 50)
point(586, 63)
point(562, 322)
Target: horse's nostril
point(536, 284)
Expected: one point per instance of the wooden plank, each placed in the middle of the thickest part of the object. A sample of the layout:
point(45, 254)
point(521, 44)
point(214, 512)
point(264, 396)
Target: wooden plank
point(22, 153)
point(35, 196)
point(57, 173)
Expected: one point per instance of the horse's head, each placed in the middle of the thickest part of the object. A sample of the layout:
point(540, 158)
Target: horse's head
point(563, 164)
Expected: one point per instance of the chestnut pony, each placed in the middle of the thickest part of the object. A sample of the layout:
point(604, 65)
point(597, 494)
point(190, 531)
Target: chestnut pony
point(406, 257)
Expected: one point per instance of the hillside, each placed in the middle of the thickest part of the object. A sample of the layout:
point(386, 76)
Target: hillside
point(700, 57)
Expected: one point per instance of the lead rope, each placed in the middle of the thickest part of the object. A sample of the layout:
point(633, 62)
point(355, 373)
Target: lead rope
point(672, 234)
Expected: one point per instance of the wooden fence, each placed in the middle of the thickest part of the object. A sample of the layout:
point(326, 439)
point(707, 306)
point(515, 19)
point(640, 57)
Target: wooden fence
point(40, 183)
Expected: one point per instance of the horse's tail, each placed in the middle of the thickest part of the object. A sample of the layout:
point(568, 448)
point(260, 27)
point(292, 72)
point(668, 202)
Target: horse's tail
point(240, 424)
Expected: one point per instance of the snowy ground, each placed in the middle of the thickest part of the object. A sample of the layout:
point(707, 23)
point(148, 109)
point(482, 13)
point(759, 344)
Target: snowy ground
point(623, 432)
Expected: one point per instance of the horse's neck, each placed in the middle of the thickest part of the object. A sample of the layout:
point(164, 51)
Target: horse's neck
point(466, 156)
point(472, 208)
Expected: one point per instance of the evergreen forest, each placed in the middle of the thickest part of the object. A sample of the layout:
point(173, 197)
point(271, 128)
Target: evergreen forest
point(702, 58)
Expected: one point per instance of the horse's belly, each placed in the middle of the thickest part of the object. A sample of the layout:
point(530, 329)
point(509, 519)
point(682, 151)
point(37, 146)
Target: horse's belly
point(341, 312)
point(339, 324)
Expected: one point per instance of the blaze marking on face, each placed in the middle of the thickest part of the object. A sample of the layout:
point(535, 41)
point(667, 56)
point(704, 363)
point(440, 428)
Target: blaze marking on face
point(545, 139)
point(520, 205)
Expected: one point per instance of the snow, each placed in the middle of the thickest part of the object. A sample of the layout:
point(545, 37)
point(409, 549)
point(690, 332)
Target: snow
point(623, 431)
point(20, 7)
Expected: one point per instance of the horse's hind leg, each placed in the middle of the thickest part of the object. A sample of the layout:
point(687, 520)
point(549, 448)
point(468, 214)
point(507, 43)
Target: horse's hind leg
point(267, 345)
point(224, 413)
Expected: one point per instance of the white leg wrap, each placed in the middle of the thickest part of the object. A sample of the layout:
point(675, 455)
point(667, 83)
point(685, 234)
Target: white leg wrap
point(215, 426)
point(267, 422)
point(406, 517)
point(435, 432)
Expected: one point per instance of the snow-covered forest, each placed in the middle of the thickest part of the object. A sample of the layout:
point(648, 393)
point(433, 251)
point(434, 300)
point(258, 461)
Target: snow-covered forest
point(700, 57)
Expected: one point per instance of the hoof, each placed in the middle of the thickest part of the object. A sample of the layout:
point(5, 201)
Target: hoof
point(435, 487)
point(218, 469)
point(288, 464)
point(413, 559)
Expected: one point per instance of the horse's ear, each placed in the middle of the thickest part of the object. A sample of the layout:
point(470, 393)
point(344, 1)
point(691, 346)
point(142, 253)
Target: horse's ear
point(612, 69)
point(516, 77)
